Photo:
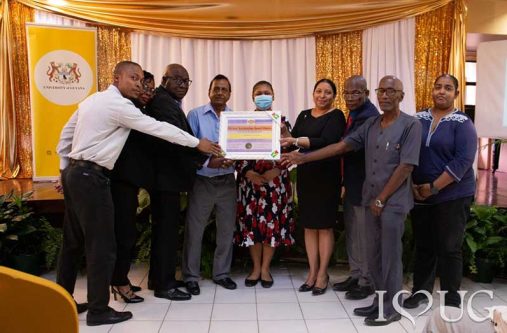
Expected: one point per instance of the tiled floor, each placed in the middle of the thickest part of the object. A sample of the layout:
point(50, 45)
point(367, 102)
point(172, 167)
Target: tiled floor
point(277, 310)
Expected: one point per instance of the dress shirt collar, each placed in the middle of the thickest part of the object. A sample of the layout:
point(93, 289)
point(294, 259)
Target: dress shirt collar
point(209, 108)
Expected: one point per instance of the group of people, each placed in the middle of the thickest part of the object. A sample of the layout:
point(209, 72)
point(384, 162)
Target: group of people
point(134, 136)
point(428, 158)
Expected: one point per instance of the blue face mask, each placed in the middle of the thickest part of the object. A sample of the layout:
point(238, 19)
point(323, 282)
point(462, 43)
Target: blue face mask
point(263, 102)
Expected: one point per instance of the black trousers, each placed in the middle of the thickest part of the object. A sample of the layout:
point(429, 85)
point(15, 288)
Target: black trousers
point(125, 203)
point(438, 232)
point(165, 208)
point(88, 227)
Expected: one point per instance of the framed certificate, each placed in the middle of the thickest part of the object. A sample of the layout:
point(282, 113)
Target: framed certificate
point(246, 135)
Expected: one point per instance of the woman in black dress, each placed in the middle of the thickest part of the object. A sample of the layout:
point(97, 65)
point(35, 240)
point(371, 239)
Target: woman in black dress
point(318, 183)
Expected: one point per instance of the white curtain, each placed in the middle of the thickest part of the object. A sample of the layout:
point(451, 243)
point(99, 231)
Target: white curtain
point(389, 50)
point(289, 64)
point(43, 17)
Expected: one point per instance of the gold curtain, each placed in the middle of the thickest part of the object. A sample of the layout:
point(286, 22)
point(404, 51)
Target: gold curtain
point(113, 47)
point(339, 56)
point(16, 141)
point(432, 50)
point(8, 151)
point(241, 19)
point(458, 49)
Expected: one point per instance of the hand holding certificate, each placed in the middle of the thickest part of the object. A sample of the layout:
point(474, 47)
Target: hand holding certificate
point(250, 135)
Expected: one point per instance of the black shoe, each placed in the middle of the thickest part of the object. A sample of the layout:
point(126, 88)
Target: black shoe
point(316, 291)
point(173, 294)
point(128, 297)
point(135, 288)
point(81, 307)
point(251, 282)
point(374, 321)
point(415, 300)
point(366, 311)
point(110, 316)
point(359, 292)
point(193, 287)
point(266, 283)
point(180, 284)
point(346, 285)
point(306, 287)
point(227, 283)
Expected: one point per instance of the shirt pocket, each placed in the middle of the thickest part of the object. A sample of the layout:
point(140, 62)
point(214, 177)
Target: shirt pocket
point(393, 153)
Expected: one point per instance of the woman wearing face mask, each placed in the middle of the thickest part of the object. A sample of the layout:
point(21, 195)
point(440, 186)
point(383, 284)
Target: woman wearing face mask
point(444, 186)
point(264, 204)
point(318, 183)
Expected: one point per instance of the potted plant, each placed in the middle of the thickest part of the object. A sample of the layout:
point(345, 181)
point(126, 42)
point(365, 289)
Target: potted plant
point(26, 240)
point(486, 241)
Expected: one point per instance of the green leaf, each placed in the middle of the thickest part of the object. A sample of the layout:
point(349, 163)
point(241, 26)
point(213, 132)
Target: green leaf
point(12, 237)
point(471, 244)
point(493, 240)
point(3, 227)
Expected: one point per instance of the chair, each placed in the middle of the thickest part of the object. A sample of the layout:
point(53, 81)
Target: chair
point(30, 304)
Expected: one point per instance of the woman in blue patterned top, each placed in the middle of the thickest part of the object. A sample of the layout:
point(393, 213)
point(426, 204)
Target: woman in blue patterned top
point(444, 187)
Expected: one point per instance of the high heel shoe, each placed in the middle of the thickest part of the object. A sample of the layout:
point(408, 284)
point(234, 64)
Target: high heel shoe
point(135, 288)
point(316, 291)
point(128, 297)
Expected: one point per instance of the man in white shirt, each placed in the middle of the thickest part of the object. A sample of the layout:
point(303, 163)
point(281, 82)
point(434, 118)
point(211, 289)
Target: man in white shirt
point(89, 146)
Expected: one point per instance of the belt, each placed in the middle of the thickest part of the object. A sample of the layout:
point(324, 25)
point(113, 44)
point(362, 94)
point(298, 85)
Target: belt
point(88, 164)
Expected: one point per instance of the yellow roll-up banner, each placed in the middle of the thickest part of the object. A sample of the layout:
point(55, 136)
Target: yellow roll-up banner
point(63, 71)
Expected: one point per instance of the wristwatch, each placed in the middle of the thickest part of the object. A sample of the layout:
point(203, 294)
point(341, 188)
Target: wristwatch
point(379, 203)
point(433, 189)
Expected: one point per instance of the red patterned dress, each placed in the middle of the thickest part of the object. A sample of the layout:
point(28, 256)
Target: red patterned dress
point(265, 212)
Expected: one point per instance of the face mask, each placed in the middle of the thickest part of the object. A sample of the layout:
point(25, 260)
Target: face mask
point(263, 102)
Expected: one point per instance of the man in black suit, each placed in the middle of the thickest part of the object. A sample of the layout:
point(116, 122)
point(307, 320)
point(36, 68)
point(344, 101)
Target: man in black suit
point(174, 170)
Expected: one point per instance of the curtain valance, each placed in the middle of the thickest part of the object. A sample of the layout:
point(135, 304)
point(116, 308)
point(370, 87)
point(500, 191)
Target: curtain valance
point(239, 19)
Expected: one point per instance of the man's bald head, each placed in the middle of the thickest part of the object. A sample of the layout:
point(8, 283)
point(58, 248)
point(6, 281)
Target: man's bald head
point(355, 92)
point(358, 81)
point(123, 66)
point(174, 69)
point(176, 81)
point(398, 85)
point(390, 93)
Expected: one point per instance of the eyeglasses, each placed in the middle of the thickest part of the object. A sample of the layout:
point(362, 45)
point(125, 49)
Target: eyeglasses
point(179, 81)
point(353, 93)
point(390, 92)
point(148, 90)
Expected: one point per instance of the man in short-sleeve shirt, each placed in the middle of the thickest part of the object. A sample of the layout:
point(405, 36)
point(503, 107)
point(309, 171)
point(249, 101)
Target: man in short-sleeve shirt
point(391, 142)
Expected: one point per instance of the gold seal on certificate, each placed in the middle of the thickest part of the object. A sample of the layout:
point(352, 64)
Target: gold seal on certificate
point(246, 135)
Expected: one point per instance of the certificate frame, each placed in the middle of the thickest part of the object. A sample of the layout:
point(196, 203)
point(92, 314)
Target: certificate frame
point(247, 135)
